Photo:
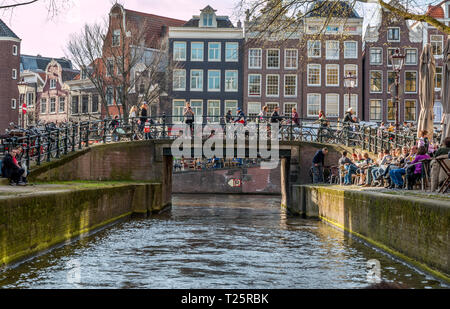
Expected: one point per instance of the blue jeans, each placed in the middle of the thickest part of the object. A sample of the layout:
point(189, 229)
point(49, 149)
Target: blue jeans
point(377, 172)
point(351, 170)
point(396, 176)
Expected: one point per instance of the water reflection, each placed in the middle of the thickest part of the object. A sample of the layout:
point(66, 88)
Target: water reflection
point(213, 242)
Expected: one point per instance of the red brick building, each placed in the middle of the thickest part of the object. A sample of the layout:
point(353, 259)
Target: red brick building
point(9, 76)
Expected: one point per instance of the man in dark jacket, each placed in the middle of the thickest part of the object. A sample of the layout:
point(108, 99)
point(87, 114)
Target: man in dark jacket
point(318, 164)
point(12, 170)
point(276, 118)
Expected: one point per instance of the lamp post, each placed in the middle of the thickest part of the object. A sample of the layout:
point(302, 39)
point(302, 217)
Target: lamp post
point(397, 60)
point(349, 83)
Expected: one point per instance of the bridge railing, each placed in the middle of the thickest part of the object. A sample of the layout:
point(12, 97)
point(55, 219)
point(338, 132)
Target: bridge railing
point(42, 144)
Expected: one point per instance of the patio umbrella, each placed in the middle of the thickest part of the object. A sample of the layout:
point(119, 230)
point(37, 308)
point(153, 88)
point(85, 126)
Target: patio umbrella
point(426, 91)
point(445, 95)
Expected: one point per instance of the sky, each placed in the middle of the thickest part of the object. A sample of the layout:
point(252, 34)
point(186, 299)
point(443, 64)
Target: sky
point(48, 36)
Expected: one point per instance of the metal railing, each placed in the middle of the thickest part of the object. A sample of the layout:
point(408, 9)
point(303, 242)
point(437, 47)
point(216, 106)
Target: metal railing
point(44, 144)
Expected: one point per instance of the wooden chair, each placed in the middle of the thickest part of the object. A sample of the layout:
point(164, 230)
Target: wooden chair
point(446, 168)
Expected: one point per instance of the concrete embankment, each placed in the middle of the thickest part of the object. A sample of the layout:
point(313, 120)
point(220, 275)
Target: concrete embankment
point(34, 219)
point(415, 228)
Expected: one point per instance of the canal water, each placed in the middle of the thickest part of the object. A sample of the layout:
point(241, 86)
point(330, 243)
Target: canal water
point(208, 242)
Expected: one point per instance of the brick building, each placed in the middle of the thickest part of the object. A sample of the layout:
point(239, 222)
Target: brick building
point(9, 76)
point(381, 40)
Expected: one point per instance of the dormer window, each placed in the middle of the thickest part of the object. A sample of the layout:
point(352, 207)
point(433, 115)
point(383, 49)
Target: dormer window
point(116, 38)
point(52, 83)
point(207, 20)
point(208, 17)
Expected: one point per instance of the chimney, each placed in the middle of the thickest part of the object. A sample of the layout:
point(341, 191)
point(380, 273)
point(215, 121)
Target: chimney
point(163, 30)
point(239, 24)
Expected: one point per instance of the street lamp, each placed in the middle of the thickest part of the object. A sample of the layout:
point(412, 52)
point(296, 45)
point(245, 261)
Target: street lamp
point(349, 83)
point(397, 60)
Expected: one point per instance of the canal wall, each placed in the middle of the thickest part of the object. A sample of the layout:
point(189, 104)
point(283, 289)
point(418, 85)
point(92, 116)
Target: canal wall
point(414, 228)
point(33, 222)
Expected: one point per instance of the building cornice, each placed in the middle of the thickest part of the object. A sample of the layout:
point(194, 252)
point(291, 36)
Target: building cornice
point(5, 38)
point(206, 33)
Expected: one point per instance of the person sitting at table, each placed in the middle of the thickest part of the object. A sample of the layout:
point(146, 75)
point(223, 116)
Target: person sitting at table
point(364, 164)
point(396, 174)
point(351, 168)
point(377, 173)
point(414, 174)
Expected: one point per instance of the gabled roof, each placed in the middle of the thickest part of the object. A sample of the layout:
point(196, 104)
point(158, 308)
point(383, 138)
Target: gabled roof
point(39, 63)
point(6, 32)
point(435, 11)
point(328, 8)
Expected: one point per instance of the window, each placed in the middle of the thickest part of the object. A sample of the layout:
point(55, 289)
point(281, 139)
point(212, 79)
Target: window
point(30, 99)
point(94, 104)
point(437, 112)
point(207, 20)
point(376, 56)
point(109, 67)
point(273, 58)
point(376, 81)
point(352, 68)
point(350, 50)
point(52, 105)
point(85, 103)
point(390, 110)
point(332, 52)
point(314, 49)
point(332, 29)
point(62, 104)
point(411, 81)
point(332, 105)
point(390, 52)
point(254, 85)
point(214, 111)
point(290, 85)
point(179, 51)
point(14, 74)
point(271, 107)
point(214, 51)
point(197, 108)
point(52, 83)
point(13, 103)
point(390, 80)
point(290, 59)
point(314, 75)
point(197, 49)
point(179, 80)
point(231, 81)
point(375, 110)
point(410, 110)
point(231, 52)
point(178, 110)
point(353, 103)
point(254, 109)
point(288, 109)
point(313, 104)
point(75, 105)
point(196, 80)
point(394, 34)
point(411, 56)
point(116, 38)
point(332, 75)
point(109, 97)
point(231, 105)
point(438, 82)
point(213, 80)
point(255, 58)
point(43, 106)
point(14, 50)
point(437, 42)
point(272, 85)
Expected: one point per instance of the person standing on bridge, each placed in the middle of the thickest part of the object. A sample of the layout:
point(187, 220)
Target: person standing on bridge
point(189, 117)
point(318, 164)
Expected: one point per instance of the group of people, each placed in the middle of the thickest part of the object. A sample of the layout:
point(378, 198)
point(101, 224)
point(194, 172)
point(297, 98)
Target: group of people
point(13, 169)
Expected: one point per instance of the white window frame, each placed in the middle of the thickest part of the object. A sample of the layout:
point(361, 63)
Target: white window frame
point(370, 78)
point(307, 103)
point(388, 55)
point(320, 75)
point(173, 83)
point(260, 85)
point(355, 56)
point(381, 56)
point(200, 82)
point(215, 118)
point(237, 52)
point(40, 106)
point(415, 109)
point(296, 85)
point(334, 95)
point(233, 109)
point(52, 99)
point(381, 110)
point(202, 49)
point(267, 86)
point(271, 107)
point(198, 117)
point(326, 75)
point(286, 58)
point(15, 50)
point(52, 83)
point(346, 66)
point(310, 43)
point(178, 118)
point(267, 58)
point(256, 106)
point(441, 42)
point(417, 84)
point(355, 106)
point(436, 88)
point(258, 57)
point(219, 52)
point(30, 104)
point(114, 34)
point(183, 57)
point(399, 34)
point(406, 56)
point(328, 51)
point(288, 112)
point(237, 81)
point(14, 74)
point(13, 103)
point(388, 90)
point(59, 104)
point(220, 77)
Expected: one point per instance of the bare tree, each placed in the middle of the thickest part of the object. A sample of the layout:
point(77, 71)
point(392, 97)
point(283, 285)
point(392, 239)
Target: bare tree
point(120, 65)
point(53, 6)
